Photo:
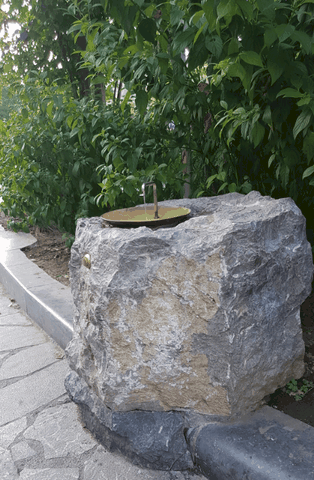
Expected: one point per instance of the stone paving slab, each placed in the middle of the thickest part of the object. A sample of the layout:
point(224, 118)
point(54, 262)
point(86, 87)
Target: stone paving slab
point(56, 428)
point(32, 392)
point(30, 360)
point(8, 307)
point(14, 319)
point(50, 474)
point(20, 336)
point(9, 432)
point(8, 470)
point(22, 450)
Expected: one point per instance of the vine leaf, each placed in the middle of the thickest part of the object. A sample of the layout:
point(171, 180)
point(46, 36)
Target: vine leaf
point(147, 29)
point(252, 58)
point(141, 101)
point(301, 122)
point(308, 172)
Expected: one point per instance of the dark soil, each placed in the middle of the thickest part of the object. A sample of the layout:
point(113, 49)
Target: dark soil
point(51, 254)
point(301, 409)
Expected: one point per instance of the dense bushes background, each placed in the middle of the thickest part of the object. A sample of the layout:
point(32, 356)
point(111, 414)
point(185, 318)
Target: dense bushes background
point(230, 82)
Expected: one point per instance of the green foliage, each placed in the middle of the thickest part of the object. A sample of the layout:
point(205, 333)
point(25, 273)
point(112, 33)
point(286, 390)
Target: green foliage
point(8, 104)
point(242, 101)
point(58, 151)
point(137, 151)
point(49, 169)
point(41, 43)
point(69, 240)
point(298, 389)
point(18, 226)
point(235, 77)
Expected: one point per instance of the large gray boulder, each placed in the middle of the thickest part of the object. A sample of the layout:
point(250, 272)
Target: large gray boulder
point(201, 320)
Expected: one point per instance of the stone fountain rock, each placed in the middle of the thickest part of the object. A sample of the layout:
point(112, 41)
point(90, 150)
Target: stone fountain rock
point(181, 325)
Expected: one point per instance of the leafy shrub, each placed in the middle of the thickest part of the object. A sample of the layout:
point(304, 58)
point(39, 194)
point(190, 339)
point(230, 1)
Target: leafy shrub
point(235, 77)
point(59, 154)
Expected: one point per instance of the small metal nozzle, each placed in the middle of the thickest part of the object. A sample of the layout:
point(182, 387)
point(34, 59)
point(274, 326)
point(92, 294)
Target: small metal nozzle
point(144, 185)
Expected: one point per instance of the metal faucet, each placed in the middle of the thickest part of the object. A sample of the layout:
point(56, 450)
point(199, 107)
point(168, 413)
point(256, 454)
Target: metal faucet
point(144, 185)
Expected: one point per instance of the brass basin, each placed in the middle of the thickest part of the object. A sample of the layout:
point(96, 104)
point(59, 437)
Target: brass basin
point(144, 216)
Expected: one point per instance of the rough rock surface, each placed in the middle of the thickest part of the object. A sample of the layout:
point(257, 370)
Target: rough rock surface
point(201, 319)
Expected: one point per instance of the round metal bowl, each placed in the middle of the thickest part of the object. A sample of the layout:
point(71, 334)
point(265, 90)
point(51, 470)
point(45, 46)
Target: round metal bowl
point(143, 216)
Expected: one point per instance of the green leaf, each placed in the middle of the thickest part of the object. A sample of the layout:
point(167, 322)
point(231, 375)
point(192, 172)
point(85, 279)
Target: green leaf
point(284, 31)
point(221, 176)
point(270, 36)
point(99, 79)
point(163, 62)
point(236, 70)
point(232, 187)
point(132, 162)
point(271, 159)
point(75, 168)
point(208, 8)
point(284, 175)
point(163, 42)
point(141, 101)
point(301, 122)
point(210, 180)
point(291, 156)
point(246, 187)
point(304, 101)
point(267, 115)
point(224, 104)
point(226, 8)
point(75, 27)
point(304, 39)
point(214, 45)
point(199, 32)
point(125, 101)
point(184, 39)
point(222, 187)
point(308, 146)
point(308, 172)
point(197, 16)
point(257, 134)
point(49, 108)
point(147, 29)
point(176, 15)
point(246, 9)
point(252, 58)
point(69, 120)
point(290, 92)
point(275, 70)
point(233, 46)
point(197, 56)
point(131, 50)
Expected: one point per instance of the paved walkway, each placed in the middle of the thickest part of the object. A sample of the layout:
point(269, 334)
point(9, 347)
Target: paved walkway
point(41, 437)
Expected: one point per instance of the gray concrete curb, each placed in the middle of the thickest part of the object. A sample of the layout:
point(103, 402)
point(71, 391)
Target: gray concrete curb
point(45, 300)
point(265, 445)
